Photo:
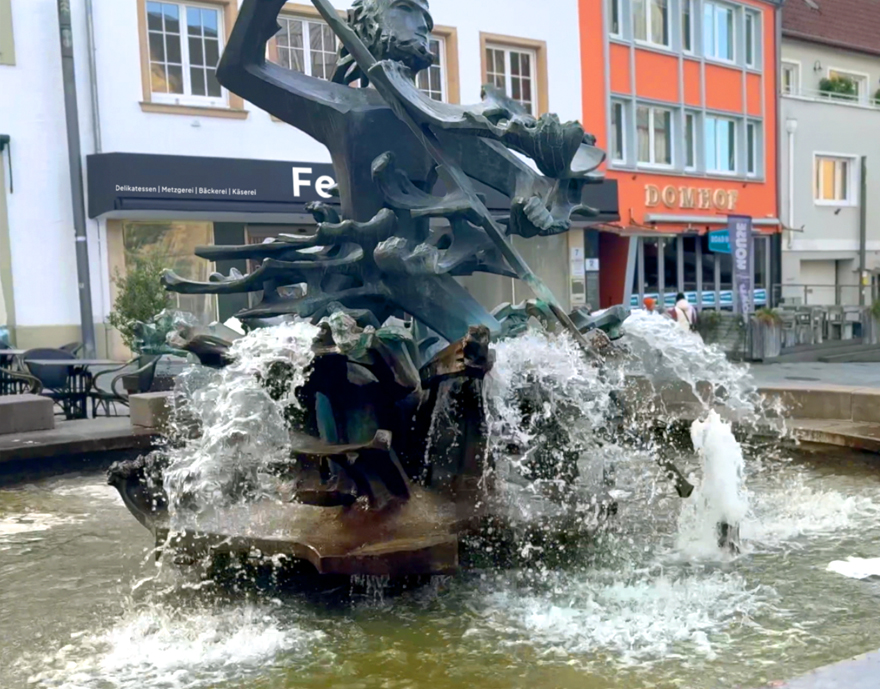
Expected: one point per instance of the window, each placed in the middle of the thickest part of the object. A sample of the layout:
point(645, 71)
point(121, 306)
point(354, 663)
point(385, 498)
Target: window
point(834, 180)
point(651, 21)
point(514, 71)
point(614, 17)
point(751, 39)
point(859, 81)
point(791, 77)
point(319, 60)
point(720, 145)
point(718, 33)
point(7, 44)
point(751, 148)
point(618, 127)
point(687, 26)
point(184, 49)
point(690, 141)
point(655, 135)
point(433, 80)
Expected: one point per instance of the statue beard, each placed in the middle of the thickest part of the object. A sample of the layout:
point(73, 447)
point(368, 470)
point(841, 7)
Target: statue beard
point(413, 53)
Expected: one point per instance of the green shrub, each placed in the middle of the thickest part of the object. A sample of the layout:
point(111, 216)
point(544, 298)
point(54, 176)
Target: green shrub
point(838, 87)
point(141, 296)
point(875, 309)
point(767, 316)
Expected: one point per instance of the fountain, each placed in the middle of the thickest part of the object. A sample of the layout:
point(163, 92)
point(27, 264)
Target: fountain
point(352, 432)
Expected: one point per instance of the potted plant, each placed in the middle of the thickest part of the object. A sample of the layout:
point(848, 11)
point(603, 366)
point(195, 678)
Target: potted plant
point(766, 330)
point(838, 87)
point(141, 297)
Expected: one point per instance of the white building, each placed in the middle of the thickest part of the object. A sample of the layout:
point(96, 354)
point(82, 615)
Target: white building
point(151, 116)
point(825, 133)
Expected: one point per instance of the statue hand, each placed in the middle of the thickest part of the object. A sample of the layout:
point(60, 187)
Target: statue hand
point(530, 218)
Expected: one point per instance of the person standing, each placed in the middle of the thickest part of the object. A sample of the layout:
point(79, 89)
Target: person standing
point(684, 314)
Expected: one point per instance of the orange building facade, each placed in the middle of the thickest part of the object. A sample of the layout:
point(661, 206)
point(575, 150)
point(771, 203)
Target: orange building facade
point(682, 94)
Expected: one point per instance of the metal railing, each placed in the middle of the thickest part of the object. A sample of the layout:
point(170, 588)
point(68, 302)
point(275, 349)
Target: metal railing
point(816, 295)
point(865, 100)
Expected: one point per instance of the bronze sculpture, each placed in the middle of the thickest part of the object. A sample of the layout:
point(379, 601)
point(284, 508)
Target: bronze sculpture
point(368, 433)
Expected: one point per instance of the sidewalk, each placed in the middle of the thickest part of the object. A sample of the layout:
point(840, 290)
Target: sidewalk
point(856, 375)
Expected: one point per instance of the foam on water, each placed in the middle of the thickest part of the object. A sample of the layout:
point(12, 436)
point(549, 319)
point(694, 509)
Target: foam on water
point(156, 646)
point(241, 427)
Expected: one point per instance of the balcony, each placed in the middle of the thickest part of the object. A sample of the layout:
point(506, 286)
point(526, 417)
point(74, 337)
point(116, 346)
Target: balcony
point(849, 99)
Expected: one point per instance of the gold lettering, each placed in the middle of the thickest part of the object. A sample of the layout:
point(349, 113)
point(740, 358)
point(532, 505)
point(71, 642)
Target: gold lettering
point(732, 198)
point(670, 198)
point(719, 198)
point(688, 196)
point(652, 195)
point(705, 202)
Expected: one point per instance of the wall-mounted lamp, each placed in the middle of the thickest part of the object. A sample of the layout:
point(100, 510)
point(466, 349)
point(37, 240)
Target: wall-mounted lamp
point(6, 142)
point(817, 66)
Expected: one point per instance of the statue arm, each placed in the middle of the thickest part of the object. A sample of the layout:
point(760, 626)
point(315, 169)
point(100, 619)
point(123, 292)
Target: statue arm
point(305, 102)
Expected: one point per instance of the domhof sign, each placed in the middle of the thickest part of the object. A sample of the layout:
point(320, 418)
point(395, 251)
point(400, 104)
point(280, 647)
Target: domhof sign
point(686, 198)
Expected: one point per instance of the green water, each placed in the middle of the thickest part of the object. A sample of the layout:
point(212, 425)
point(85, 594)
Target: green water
point(83, 604)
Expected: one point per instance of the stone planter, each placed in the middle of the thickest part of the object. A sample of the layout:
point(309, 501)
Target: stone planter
point(765, 339)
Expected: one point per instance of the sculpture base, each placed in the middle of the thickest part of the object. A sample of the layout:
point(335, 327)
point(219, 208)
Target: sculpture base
point(414, 538)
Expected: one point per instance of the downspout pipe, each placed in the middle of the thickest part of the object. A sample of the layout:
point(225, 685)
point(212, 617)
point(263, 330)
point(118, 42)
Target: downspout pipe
point(863, 230)
point(76, 178)
point(776, 265)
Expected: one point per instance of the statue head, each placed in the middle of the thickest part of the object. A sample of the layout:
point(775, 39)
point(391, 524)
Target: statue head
point(395, 30)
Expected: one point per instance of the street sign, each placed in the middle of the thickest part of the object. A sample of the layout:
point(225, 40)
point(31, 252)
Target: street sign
point(719, 241)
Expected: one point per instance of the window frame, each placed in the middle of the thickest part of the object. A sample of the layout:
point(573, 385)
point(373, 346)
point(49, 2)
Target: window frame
point(649, 40)
point(615, 7)
point(714, 43)
point(861, 79)
point(753, 46)
point(274, 49)
point(690, 145)
point(232, 105)
point(735, 129)
point(795, 67)
point(653, 164)
point(540, 97)
point(7, 34)
point(851, 179)
point(621, 133)
point(753, 148)
point(687, 20)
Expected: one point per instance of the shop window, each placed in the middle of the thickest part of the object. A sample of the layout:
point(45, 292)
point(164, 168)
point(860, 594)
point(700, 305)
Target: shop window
point(670, 266)
point(720, 144)
point(834, 183)
point(7, 43)
point(651, 253)
point(762, 246)
point(651, 19)
point(618, 128)
point(726, 271)
point(174, 244)
point(690, 263)
point(514, 71)
point(708, 260)
point(654, 127)
point(718, 31)
point(305, 45)
point(185, 43)
point(687, 26)
point(791, 77)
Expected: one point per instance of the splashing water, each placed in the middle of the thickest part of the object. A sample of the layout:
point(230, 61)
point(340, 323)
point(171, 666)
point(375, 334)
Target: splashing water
point(720, 496)
point(241, 427)
point(665, 353)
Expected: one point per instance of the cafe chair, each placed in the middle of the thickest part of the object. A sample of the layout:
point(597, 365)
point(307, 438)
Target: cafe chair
point(56, 381)
point(72, 348)
point(19, 383)
point(115, 394)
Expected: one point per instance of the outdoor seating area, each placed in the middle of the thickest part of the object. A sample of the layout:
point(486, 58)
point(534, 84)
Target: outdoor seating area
point(79, 388)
